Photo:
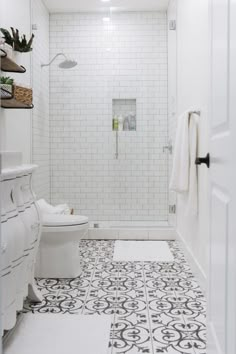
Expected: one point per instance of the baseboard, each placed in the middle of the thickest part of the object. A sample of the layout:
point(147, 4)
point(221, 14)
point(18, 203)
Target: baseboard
point(194, 264)
point(132, 234)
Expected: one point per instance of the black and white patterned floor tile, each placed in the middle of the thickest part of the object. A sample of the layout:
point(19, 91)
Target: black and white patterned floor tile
point(156, 307)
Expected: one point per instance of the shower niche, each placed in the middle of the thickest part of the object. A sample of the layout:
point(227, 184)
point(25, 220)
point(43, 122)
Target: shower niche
point(124, 115)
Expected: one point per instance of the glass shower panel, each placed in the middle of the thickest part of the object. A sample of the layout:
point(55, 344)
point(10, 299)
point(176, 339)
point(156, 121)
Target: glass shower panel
point(123, 61)
point(136, 188)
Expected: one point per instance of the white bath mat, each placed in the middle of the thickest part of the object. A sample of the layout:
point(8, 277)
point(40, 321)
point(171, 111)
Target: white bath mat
point(60, 334)
point(142, 251)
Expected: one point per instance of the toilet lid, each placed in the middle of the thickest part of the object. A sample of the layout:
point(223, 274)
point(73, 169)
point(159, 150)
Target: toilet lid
point(63, 220)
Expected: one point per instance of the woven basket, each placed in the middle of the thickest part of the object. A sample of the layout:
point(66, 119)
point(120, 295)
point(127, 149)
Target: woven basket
point(23, 94)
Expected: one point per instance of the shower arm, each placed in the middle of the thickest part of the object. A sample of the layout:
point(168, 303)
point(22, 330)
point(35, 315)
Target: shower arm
point(54, 58)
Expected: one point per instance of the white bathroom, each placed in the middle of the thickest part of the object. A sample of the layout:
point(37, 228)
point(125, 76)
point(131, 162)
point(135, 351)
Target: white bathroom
point(117, 170)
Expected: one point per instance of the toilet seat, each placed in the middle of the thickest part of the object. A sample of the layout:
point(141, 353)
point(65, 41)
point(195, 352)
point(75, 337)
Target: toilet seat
point(61, 223)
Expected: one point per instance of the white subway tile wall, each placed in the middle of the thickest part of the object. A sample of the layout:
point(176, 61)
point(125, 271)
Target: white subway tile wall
point(40, 121)
point(123, 59)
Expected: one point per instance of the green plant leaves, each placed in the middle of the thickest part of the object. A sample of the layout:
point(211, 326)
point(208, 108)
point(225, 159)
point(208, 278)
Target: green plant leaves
point(18, 43)
point(7, 36)
point(6, 80)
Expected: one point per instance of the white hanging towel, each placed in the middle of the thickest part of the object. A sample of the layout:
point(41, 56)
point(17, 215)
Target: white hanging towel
point(184, 172)
point(179, 181)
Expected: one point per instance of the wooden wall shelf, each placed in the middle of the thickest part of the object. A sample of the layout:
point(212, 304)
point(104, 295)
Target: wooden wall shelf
point(9, 102)
point(8, 65)
point(12, 103)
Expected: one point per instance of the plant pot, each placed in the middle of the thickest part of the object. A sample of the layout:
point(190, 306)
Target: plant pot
point(16, 57)
point(8, 49)
point(6, 87)
point(21, 58)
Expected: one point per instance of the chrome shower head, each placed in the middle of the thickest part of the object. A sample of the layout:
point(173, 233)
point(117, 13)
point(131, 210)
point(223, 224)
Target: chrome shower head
point(65, 64)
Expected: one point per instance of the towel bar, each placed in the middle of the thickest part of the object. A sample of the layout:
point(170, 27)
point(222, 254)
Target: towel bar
point(195, 112)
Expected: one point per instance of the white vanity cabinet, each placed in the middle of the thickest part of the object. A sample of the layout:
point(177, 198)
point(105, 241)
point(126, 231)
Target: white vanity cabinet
point(20, 235)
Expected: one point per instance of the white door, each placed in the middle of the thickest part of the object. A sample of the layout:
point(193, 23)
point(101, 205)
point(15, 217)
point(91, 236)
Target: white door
point(222, 265)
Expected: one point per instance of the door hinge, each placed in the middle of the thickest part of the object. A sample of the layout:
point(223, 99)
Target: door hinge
point(172, 209)
point(172, 25)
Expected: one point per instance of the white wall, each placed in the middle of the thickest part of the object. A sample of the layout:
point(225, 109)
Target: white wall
point(27, 131)
point(192, 88)
point(15, 125)
point(126, 59)
point(40, 128)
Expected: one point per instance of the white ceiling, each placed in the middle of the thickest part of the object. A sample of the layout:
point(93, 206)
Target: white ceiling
point(98, 5)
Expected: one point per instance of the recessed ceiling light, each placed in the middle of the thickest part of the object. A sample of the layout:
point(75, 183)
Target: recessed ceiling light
point(106, 19)
point(105, 0)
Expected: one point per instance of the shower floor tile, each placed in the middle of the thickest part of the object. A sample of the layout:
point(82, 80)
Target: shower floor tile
point(155, 307)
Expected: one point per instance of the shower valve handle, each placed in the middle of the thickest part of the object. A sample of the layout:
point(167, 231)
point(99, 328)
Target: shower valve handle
point(169, 148)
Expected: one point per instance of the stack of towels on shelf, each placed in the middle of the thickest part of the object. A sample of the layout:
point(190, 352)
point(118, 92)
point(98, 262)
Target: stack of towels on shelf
point(50, 209)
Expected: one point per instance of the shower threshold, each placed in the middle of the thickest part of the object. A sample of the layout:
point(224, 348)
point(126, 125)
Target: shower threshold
point(133, 230)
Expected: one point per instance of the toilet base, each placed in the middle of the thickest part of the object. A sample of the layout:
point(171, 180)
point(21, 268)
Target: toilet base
point(34, 294)
point(59, 255)
point(61, 262)
point(64, 275)
point(68, 273)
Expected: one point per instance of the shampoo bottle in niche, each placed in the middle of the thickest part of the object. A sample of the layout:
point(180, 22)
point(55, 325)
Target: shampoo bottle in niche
point(121, 122)
point(126, 124)
point(115, 123)
point(132, 121)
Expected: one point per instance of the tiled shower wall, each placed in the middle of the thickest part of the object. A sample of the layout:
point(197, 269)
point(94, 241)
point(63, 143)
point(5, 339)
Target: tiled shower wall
point(40, 121)
point(123, 59)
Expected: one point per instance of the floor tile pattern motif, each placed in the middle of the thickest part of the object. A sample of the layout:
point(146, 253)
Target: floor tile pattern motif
point(156, 307)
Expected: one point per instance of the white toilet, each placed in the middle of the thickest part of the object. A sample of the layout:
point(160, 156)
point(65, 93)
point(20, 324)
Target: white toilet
point(59, 254)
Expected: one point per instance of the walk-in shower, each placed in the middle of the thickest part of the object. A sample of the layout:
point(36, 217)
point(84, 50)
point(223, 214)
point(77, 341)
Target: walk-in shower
point(117, 175)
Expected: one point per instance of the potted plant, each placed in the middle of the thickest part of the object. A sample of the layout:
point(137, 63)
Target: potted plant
point(6, 83)
point(18, 43)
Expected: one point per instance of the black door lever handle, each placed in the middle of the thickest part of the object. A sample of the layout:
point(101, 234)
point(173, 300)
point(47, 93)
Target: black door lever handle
point(205, 160)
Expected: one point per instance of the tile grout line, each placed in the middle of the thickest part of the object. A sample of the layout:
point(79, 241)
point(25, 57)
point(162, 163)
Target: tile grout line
point(148, 311)
point(183, 319)
point(114, 315)
point(91, 279)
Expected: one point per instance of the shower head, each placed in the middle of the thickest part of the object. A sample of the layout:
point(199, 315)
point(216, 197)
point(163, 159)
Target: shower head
point(65, 64)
